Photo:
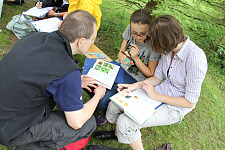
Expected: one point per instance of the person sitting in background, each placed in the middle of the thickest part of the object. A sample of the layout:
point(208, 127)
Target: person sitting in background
point(60, 10)
point(176, 83)
point(91, 6)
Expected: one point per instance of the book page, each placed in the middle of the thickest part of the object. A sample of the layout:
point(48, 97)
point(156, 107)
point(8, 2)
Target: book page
point(140, 111)
point(46, 25)
point(137, 105)
point(104, 72)
point(96, 55)
point(36, 12)
point(144, 96)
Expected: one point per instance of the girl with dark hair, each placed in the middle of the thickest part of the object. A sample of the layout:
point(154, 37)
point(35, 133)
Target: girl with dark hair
point(136, 44)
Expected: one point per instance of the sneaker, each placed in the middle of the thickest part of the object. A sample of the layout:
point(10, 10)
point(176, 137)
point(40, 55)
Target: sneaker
point(105, 135)
point(100, 147)
point(101, 119)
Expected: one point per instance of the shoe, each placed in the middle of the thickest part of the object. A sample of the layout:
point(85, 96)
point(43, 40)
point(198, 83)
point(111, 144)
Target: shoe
point(101, 120)
point(105, 135)
point(100, 147)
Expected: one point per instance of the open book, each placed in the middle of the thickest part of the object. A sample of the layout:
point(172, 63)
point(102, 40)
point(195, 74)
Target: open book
point(104, 72)
point(36, 12)
point(136, 104)
point(46, 25)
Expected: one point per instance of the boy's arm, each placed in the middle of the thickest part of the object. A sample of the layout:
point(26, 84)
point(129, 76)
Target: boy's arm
point(76, 119)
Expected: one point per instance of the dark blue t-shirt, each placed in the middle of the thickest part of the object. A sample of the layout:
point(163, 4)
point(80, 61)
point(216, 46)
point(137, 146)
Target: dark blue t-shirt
point(67, 91)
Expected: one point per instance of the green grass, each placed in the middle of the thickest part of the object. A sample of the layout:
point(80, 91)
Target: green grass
point(202, 129)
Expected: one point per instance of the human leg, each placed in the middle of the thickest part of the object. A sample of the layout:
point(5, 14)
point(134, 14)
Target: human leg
point(128, 131)
point(163, 116)
point(53, 133)
point(103, 103)
point(137, 145)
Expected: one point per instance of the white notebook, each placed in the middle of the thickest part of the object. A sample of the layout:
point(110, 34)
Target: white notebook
point(36, 12)
point(104, 72)
point(136, 104)
point(46, 25)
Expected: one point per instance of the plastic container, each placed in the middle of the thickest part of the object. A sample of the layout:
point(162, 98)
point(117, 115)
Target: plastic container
point(126, 64)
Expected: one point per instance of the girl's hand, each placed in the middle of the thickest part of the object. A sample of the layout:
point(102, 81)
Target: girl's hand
point(149, 88)
point(39, 5)
point(124, 56)
point(134, 51)
point(128, 87)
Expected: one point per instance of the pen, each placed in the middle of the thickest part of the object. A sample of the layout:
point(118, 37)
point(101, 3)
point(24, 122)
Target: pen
point(39, 3)
point(128, 57)
point(115, 85)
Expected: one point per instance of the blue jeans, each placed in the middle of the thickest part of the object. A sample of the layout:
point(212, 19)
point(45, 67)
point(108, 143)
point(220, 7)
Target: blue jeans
point(127, 79)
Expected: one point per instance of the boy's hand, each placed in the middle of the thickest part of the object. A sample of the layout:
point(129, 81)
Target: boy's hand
point(100, 91)
point(39, 5)
point(87, 82)
point(149, 88)
point(134, 51)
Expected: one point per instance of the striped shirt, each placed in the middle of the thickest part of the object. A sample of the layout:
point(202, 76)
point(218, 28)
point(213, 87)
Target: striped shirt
point(185, 75)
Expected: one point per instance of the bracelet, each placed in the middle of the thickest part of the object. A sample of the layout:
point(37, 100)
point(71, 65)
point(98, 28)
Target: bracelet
point(56, 14)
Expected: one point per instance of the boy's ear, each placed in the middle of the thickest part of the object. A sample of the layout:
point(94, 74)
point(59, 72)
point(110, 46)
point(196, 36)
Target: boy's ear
point(59, 24)
point(64, 16)
point(80, 42)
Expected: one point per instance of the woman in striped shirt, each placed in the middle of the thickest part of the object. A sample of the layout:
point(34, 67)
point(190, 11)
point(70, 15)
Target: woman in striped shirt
point(176, 83)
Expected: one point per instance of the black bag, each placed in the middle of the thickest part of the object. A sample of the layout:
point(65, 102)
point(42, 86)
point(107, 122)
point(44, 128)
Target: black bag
point(166, 146)
point(18, 2)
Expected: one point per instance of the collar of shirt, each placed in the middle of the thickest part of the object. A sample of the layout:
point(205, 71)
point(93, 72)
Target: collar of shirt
point(183, 53)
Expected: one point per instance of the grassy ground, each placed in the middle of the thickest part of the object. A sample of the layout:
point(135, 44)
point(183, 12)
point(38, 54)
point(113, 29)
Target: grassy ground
point(201, 129)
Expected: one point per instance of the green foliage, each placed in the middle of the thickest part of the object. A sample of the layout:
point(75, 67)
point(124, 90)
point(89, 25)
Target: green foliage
point(113, 23)
point(202, 20)
point(218, 56)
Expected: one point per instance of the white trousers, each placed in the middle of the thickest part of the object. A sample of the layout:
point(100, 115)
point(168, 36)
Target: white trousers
point(128, 131)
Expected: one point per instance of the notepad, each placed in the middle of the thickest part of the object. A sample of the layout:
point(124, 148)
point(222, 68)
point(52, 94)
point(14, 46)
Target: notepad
point(47, 25)
point(136, 104)
point(36, 12)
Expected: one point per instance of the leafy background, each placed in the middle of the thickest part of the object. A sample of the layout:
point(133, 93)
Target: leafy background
point(203, 21)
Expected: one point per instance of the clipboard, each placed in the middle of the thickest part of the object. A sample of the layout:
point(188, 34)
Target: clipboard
point(46, 25)
point(36, 12)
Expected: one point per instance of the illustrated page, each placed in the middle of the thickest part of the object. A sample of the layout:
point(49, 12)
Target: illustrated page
point(104, 72)
point(137, 104)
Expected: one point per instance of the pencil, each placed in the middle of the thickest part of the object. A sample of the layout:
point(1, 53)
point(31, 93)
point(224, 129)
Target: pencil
point(128, 56)
point(116, 85)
